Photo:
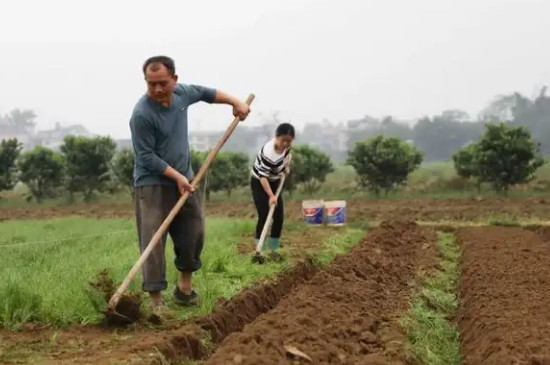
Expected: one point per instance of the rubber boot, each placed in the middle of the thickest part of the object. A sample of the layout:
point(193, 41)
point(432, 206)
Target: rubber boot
point(274, 244)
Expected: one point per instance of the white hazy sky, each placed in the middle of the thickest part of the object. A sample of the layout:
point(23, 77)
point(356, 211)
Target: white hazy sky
point(80, 62)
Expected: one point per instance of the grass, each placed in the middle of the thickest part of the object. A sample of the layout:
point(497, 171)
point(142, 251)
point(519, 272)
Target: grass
point(338, 245)
point(433, 338)
point(48, 266)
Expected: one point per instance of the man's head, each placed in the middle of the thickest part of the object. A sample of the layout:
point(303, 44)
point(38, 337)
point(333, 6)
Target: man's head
point(161, 78)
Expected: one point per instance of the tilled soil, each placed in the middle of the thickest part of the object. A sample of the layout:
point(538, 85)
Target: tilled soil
point(505, 296)
point(358, 210)
point(347, 313)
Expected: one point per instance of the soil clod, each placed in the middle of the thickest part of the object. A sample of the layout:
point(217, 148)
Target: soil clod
point(128, 308)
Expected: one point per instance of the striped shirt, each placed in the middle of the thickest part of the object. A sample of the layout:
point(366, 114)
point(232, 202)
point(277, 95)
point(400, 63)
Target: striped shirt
point(269, 163)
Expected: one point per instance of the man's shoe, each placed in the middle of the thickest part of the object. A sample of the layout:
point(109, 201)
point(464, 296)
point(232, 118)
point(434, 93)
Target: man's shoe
point(185, 299)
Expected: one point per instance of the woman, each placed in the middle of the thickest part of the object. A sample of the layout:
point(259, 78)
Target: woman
point(272, 160)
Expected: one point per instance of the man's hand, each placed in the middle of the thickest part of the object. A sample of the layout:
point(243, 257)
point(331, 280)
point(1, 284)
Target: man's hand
point(181, 181)
point(184, 185)
point(272, 200)
point(241, 109)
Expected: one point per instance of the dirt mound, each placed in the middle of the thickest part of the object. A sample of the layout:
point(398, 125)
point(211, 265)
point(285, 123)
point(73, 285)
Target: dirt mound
point(128, 308)
point(505, 295)
point(346, 313)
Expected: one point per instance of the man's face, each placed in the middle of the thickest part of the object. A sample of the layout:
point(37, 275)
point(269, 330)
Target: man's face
point(160, 83)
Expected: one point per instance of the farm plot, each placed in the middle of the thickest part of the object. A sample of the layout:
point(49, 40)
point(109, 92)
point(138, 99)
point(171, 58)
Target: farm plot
point(505, 295)
point(349, 312)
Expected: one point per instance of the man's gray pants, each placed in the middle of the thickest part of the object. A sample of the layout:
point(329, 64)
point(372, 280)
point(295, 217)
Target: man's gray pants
point(152, 205)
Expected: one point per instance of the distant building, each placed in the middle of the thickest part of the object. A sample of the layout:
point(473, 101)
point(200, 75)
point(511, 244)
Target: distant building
point(203, 141)
point(365, 123)
point(53, 138)
point(328, 137)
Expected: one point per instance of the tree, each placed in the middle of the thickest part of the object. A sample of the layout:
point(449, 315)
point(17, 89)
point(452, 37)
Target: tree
point(391, 128)
point(239, 171)
point(9, 152)
point(228, 171)
point(309, 167)
point(88, 163)
point(219, 174)
point(506, 155)
point(19, 121)
point(533, 113)
point(442, 135)
point(466, 165)
point(197, 159)
point(42, 171)
point(499, 109)
point(384, 163)
point(123, 167)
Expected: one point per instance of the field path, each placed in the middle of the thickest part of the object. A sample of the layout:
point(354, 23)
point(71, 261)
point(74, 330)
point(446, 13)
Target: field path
point(358, 210)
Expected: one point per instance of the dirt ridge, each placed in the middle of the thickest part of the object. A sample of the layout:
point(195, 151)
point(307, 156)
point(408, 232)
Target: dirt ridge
point(232, 315)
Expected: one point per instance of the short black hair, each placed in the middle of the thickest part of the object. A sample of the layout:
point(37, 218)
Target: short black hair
point(284, 129)
point(165, 60)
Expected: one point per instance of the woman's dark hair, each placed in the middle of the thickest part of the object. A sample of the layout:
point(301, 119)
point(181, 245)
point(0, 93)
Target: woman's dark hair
point(284, 129)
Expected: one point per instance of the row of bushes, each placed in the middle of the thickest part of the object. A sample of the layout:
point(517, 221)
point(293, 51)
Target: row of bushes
point(91, 165)
point(505, 155)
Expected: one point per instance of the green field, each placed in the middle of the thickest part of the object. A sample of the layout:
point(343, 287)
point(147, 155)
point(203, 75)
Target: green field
point(48, 265)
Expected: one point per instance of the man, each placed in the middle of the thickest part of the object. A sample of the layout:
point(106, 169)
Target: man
point(162, 171)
